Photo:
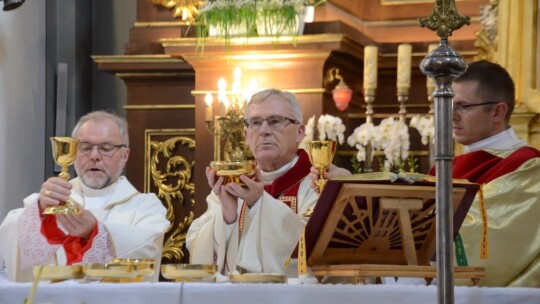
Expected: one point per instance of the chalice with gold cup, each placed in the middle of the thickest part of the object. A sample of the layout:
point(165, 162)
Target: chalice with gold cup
point(321, 153)
point(64, 150)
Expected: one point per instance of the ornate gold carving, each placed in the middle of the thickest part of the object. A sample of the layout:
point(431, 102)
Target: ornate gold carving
point(486, 49)
point(173, 245)
point(444, 19)
point(171, 174)
point(486, 39)
point(187, 10)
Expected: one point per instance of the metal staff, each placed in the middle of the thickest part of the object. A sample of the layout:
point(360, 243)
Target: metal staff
point(444, 64)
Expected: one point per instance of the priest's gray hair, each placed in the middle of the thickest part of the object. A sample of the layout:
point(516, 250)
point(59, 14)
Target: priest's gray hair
point(260, 96)
point(103, 115)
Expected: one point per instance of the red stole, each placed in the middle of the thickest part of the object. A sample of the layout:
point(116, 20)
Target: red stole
point(482, 167)
point(75, 247)
point(285, 187)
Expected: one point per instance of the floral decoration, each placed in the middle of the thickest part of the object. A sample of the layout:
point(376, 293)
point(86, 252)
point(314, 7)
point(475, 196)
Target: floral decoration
point(391, 136)
point(328, 128)
point(424, 125)
point(331, 128)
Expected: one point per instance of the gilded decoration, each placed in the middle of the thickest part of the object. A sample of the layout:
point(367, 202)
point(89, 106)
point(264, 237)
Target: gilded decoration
point(170, 160)
point(187, 10)
point(444, 19)
point(486, 39)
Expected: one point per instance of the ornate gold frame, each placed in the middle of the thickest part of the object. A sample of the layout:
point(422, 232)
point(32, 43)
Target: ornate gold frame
point(178, 169)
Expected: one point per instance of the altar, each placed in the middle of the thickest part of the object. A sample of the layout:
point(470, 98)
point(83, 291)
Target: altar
point(225, 293)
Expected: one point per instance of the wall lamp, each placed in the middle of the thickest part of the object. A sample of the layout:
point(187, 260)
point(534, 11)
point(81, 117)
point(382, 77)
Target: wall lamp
point(341, 93)
point(12, 4)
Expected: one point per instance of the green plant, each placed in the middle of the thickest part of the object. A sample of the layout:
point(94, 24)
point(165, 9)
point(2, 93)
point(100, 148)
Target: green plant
point(227, 19)
point(276, 18)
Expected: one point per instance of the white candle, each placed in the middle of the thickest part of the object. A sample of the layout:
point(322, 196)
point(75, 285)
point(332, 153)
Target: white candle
point(208, 100)
point(430, 84)
point(370, 67)
point(404, 68)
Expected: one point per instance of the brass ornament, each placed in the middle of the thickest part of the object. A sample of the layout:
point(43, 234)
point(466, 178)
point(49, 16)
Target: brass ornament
point(187, 10)
point(444, 19)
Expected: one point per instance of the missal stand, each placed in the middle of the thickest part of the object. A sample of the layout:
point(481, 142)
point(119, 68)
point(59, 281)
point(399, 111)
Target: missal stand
point(382, 225)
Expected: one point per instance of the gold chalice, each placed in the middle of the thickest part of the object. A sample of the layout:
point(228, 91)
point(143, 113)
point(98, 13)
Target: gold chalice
point(64, 150)
point(321, 153)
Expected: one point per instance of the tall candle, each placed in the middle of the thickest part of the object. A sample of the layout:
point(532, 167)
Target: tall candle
point(208, 100)
point(370, 67)
point(430, 84)
point(404, 68)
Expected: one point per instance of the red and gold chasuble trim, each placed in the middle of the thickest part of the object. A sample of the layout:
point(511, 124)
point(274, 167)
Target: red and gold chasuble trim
point(482, 167)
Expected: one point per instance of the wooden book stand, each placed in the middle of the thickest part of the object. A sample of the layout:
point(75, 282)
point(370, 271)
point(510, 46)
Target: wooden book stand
point(364, 227)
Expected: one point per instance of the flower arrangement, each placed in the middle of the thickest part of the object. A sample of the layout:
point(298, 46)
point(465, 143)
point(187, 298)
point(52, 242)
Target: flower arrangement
point(391, 136)
point(227, 19)
point(331, 127)
point(396, 149)
point(248, 18)
point(424, 125)
point(328, 128)
point(363, 138)
point(279, 17)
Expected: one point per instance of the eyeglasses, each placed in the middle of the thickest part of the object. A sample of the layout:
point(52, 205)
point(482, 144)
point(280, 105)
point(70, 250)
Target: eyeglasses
point(275, 122)
point(105, 149)
point(461, 107)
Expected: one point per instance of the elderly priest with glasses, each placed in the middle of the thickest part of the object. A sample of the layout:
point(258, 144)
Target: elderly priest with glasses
point(255, 228)
point(115, 220)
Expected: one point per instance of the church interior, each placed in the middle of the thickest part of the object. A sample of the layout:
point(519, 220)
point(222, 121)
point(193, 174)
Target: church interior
point(168, 76)
point(172, 79)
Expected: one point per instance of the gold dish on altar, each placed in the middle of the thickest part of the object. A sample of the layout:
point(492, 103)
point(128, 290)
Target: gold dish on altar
point(231, 170)
point(189, 272)
point(257, 278)
point(58, 273)
point(121, 270)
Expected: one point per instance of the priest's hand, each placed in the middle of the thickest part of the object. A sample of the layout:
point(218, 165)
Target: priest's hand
point(332, 172)
point(251, 192)
point(78, 225)
point(54, 191)
point(229, 202)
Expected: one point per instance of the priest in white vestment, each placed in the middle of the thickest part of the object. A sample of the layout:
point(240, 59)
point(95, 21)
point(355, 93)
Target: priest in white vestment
point(255, 228)
point(116, 220)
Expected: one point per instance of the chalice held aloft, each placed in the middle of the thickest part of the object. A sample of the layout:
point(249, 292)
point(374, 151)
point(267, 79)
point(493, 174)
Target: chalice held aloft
point(64, 150)
point(321, 154)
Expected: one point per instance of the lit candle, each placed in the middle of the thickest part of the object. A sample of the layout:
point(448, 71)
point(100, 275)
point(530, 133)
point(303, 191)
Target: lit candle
point(208, 109)
point(430, 84)
point(370, 67)
point(222, 95)
point(404, 68)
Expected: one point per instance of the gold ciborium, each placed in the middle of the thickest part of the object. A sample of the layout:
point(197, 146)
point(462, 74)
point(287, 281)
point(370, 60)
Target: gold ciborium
point(64, 150)
point(231, 170)
point(321, 153)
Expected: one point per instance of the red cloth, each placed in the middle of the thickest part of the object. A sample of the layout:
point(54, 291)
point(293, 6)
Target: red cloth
point(75, 247)
point(288, 183)
point(482, 167)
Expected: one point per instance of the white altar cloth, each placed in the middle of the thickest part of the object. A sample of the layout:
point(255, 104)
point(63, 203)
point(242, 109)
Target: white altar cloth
point(225, 293)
